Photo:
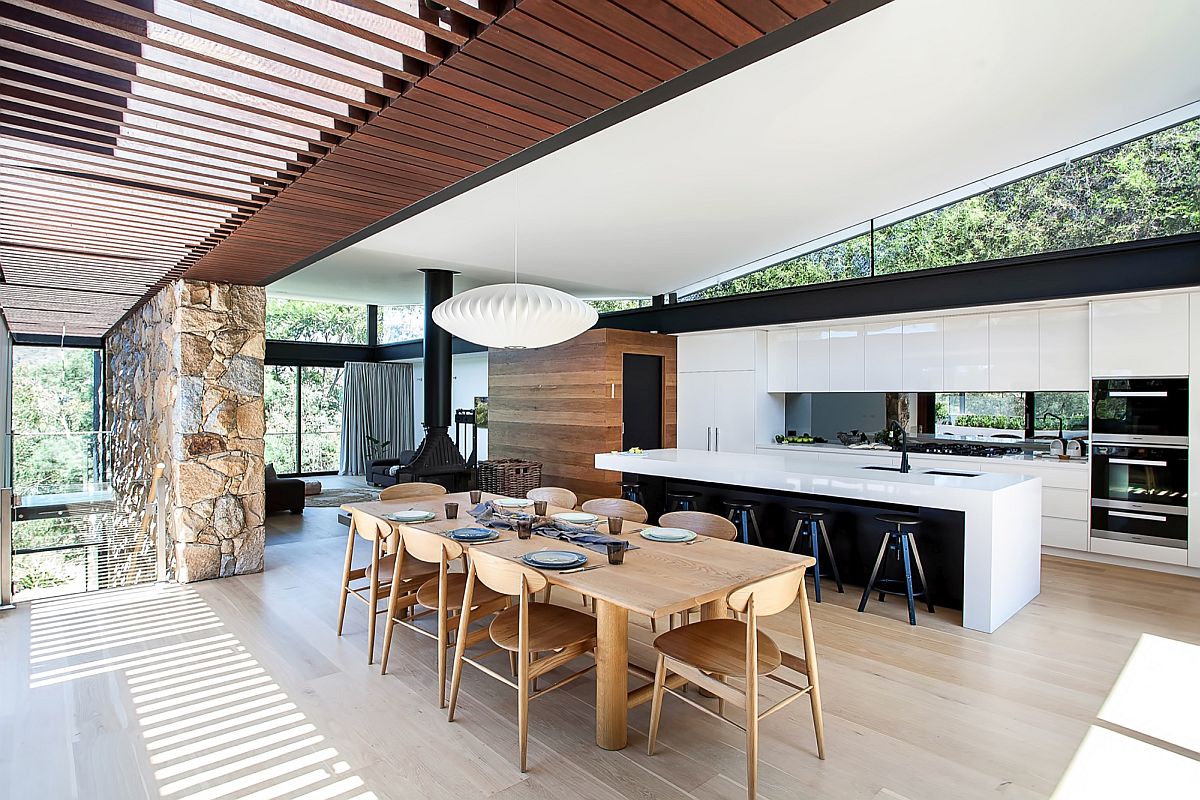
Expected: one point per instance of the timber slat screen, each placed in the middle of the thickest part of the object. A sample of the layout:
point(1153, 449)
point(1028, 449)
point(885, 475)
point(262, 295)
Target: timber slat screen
point(144, 140)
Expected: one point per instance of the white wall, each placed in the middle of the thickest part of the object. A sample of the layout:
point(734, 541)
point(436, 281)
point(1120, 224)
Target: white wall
point(470, 380)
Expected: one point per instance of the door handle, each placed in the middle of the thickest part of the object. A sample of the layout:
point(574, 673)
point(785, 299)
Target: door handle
point(718, 447)
point(708, 444)
point(1129, 515)
point(1137, 462)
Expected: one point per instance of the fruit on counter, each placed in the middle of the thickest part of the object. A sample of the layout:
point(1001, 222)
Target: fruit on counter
point(636, 450)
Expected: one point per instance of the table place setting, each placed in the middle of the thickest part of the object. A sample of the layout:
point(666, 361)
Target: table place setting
point(560, 526)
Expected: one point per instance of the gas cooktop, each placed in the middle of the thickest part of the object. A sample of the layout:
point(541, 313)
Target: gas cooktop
point(974, 449)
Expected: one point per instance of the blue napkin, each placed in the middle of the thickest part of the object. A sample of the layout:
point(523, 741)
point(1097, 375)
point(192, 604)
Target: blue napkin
point(581, 536)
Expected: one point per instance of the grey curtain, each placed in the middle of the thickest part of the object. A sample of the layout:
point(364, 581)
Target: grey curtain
point(377, 401)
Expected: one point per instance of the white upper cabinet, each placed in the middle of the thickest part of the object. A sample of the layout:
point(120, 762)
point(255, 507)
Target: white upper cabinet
point(1013, 349)
point(1063, 349)
point(812, 359)
point(1141, 336)
point(847, 366)
point(883, 350)
point(966, 360)
point(717, 352)
point(781, 360)
point(922, 355)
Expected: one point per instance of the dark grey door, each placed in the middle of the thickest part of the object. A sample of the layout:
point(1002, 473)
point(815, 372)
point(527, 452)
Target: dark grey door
point(642, 402)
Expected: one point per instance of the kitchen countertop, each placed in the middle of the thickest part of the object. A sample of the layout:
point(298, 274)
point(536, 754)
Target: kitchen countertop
point(1002, 523)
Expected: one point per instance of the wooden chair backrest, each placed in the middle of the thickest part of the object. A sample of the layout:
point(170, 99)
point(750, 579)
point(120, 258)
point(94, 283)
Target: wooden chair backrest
point(616, 507)
point(403, 491)
point(771, 595)
point(369, 527)
point(427, 546)
point(563, 498)
point(699, 522)
point(505, 575)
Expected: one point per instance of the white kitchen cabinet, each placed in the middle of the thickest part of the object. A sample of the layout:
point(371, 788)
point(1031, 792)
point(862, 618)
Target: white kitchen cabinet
point(696, 409)
point(922, 355)
point(1013, 351)
point(1063, 349)
point(1141, 336)
point(812, 359)
point(883, 349)
point(1194, 427)
point(717, 352)
point(781, 360)
point(1070, 534)
point(847, 368)
point(716, 411)
point(965, 356)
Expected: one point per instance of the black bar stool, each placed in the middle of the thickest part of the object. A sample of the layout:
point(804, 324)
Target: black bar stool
point(682, 501)
point(741, 513)
point(811, 521)
point(632, 490)
point(901, 541)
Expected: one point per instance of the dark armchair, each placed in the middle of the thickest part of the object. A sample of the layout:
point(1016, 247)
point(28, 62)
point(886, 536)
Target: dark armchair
point(379, 473)
point(283, 494)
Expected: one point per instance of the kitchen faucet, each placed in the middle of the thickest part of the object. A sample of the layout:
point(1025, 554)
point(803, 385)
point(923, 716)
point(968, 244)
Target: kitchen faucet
point(896, 426)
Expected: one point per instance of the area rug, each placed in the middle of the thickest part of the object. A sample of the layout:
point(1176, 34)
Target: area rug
point(334, 497)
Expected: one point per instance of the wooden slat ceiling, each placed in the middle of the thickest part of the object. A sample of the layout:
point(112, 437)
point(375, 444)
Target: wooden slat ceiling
point(144, 140)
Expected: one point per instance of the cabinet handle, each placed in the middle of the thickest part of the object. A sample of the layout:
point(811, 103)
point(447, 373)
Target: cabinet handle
point(1137, 394)
point(1147, 517)
point(708, 444)
point(1137, 462)
point(718, 447)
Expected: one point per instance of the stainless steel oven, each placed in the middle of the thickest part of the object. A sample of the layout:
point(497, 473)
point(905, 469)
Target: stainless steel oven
point(1140, 410)
point(1139, 494)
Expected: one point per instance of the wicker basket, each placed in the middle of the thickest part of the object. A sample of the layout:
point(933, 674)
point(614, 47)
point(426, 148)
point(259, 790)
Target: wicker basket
point(509, 476)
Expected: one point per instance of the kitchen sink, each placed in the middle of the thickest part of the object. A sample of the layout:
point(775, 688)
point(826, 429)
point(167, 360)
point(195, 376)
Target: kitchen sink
point(885, 469)
point(951, 474)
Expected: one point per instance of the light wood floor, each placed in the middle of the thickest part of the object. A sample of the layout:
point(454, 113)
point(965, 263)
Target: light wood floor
point(239, 688)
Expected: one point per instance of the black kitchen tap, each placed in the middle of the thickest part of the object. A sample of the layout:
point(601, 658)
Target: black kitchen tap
point(896, 426)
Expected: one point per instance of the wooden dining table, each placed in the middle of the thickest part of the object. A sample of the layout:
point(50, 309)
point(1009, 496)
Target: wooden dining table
point(657, 579)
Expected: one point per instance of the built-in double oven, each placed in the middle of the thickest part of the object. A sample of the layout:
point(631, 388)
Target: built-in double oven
point(1139, 460)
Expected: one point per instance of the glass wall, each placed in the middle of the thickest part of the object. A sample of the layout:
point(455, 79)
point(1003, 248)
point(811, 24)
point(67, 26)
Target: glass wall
point(1013, 415)
point(304, 419)
point(313, 321)
point(1142, 189)
point(401, 323)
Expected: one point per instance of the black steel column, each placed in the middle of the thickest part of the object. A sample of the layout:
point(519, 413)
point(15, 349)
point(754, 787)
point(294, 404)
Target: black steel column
point(439, 286)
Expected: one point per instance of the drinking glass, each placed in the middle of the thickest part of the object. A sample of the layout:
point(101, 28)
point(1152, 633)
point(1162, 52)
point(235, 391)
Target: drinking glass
point(524, 527)
point(476, 496)
point(539, 507)
point(614, 524)
point(616, 552)
point(451, 510)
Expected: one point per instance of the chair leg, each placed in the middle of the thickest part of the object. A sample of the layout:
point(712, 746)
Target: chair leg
point(816, 553)
point(752, 744)
point(460, 639)
point(443, 645)
point(795, 536)
point(862, 604)
point(373, 603)
point(393, 599)
point(908, 587)
point(523, 707)
point(810, 665)
point(920, 572)
point(656, 699)
point(346, 578)
point(829, 552)
point(754, 524)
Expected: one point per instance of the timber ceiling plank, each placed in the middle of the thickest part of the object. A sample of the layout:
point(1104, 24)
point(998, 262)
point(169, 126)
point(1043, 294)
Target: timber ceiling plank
point(142, 140)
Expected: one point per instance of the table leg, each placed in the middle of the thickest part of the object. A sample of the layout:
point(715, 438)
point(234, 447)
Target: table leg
point(612, 675)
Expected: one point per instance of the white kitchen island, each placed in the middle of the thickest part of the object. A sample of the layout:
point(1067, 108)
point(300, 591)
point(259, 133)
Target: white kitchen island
point(1001, 511)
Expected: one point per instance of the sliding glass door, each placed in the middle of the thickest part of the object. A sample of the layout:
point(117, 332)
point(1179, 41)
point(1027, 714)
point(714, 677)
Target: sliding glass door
point(304, 419)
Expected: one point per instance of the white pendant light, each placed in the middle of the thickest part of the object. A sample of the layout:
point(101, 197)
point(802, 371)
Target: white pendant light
point(515, 316)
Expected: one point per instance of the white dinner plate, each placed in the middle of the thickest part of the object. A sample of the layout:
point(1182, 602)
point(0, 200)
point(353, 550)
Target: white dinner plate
point(577, 517)
point(512, 502)
point(667, 534)
point(412, 515)
point(554, 559)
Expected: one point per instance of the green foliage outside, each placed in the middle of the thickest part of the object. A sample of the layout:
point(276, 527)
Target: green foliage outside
point(311, 321)
point(401, 323)
point(52, 406)
point(320, 418)
point(1143, 189)
point(605, 306)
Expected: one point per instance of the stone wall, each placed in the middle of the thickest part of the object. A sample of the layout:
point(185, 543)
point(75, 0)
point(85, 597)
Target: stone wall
point(185, 387)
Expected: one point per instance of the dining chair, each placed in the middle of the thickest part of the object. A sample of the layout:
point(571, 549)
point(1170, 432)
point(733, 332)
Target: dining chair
point(376, 532)
point(441, 595)
point(527, 629)
point(713, 526)
point(404, 491)
point(555, 496)
point(616, 507)
point(707, 652)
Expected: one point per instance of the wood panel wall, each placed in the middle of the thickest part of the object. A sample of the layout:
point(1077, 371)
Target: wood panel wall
point(561, 405)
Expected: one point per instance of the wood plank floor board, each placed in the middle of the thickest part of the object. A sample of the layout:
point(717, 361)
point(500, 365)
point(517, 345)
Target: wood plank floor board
point(934, 711)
